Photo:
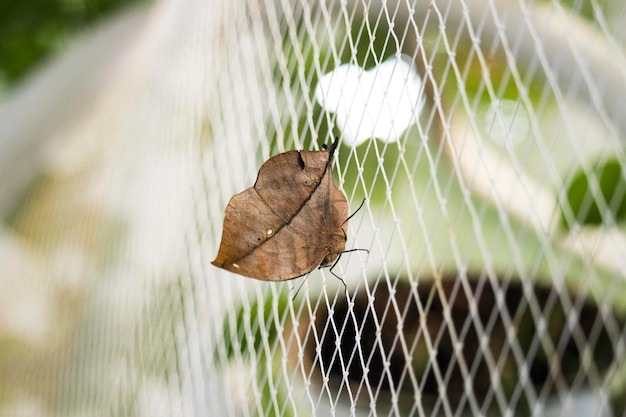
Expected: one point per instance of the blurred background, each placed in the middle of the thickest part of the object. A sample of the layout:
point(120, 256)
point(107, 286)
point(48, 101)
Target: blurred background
point(486, 139)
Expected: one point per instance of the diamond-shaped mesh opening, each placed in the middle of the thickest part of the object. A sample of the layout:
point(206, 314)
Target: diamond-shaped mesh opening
point(486, 142)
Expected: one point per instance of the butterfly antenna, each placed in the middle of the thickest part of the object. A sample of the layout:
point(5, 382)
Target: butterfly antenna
point(355, 212)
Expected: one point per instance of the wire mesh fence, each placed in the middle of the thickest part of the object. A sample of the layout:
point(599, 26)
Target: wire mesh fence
point(486, 139)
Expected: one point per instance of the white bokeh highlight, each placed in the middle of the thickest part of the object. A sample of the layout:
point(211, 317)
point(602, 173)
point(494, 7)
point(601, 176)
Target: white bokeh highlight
point(378, 103)
point(507, 122)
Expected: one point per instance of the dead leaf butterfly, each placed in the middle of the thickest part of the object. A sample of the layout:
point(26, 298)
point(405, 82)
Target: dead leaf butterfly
point(293, 220)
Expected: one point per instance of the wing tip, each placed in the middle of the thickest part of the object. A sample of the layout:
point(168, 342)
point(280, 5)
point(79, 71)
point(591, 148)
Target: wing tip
point(332, 149)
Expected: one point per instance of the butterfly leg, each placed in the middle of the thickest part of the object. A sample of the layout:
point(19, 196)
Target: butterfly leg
point(345, 287)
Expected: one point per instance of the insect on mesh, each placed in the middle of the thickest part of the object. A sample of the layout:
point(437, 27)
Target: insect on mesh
point(485, 137)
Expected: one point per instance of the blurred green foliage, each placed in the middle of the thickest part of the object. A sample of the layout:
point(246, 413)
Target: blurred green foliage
point(587, 9)
point(596, 196)
point(32, 30)
point(261, 321)
point(256, 328)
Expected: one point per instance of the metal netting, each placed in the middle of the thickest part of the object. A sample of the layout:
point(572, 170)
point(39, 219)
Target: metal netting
point(485, 137)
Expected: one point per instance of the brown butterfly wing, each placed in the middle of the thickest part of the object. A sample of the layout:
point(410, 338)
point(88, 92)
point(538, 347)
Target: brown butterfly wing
point(286, 224)
point(286, 182)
